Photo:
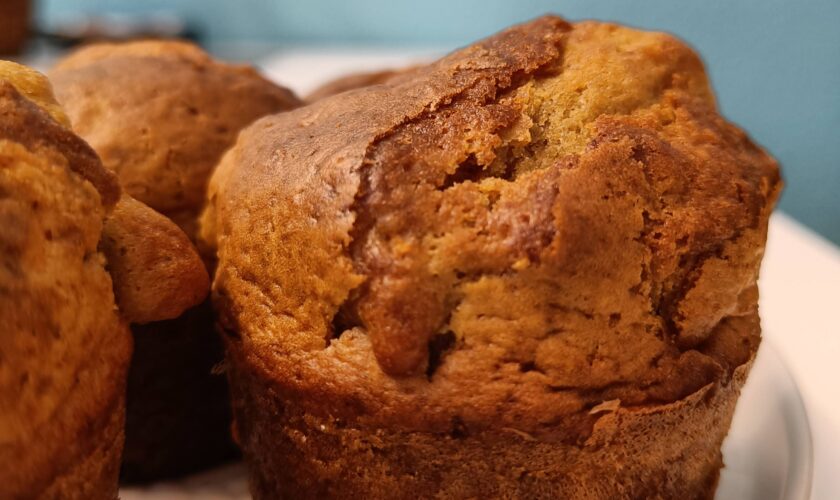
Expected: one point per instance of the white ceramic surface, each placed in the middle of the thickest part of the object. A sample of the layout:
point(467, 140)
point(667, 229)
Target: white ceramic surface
point(768, 453)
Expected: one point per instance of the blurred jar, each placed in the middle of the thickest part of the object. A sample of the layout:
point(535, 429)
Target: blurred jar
point(14, 25)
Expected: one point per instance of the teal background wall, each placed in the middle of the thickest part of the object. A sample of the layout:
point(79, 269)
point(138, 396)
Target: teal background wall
point(775, 64)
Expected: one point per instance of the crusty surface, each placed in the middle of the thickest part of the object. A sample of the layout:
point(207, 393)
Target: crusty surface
point(157, 272)
point(20, 125)
point(160, 114)
point(64, 350)
point(548, 221)
point(94, 475)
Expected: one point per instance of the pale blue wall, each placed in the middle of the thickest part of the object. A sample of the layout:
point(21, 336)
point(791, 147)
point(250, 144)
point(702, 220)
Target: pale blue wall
point(775, 63)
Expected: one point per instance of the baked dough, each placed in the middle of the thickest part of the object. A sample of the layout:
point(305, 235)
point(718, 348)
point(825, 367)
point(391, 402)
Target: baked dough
point(527, 271)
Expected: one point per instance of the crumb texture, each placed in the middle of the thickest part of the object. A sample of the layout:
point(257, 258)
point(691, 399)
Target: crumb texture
point(552, 231)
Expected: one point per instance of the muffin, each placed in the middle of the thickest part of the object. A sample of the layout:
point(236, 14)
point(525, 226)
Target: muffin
point(527, 271)
point(65, 348)
point(160, 114)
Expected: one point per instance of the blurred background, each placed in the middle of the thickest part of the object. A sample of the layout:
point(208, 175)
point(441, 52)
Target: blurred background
point(775, 64)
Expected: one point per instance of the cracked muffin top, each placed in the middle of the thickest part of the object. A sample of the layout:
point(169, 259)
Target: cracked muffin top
point(160, 114)
point(552, 218)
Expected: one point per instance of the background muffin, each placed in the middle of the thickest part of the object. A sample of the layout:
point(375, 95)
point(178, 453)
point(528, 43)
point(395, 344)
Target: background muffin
point(528, 271)
point(355, 81)
point(65, 347)
point(160, 114)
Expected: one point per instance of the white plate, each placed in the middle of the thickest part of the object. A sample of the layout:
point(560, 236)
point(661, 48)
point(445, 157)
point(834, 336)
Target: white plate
point(768, 452)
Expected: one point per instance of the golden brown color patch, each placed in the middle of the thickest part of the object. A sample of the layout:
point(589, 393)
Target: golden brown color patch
point(34, 132)
point(35, 87)
point(65, 350)
point(528, 270)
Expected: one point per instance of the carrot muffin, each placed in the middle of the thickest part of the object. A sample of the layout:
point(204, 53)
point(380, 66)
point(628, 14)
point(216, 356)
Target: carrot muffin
point(160, 114)
point(65, 348)
point(527, 271)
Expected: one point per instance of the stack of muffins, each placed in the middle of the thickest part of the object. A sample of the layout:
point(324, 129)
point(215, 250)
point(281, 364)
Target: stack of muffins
point(526, 270)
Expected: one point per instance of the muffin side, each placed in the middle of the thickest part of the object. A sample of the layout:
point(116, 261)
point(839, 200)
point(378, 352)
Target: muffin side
point(630, 453)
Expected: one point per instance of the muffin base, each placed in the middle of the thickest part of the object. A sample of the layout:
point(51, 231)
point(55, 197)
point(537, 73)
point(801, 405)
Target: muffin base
point(655, 451)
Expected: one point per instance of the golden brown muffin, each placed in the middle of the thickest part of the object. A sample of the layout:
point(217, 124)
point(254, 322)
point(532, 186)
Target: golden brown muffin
point(355, 81)
point(65, 348)
point(160, 114)
point(528, 271)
